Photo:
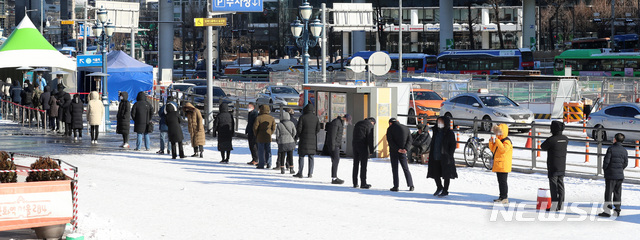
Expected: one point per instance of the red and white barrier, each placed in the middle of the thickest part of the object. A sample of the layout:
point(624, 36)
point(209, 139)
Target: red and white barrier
point(544, 199)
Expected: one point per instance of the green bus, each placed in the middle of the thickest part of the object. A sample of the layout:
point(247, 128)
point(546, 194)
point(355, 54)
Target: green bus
point(595, 62)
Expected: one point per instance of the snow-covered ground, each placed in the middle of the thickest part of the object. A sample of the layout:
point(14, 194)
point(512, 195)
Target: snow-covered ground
point(142, 195)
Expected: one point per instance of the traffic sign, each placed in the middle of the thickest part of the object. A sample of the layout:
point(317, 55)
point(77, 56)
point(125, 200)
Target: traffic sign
point(357, 64)
point(67, 22)
point(89, 60)
point(379, 63)
point(237, 6)
point(206, 22)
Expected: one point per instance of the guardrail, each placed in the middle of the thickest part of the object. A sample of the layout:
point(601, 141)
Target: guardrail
point(536, 128)
point(24, 115)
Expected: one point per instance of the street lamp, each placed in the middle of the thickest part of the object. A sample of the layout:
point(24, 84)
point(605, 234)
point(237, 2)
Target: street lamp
point(103, 30)
point(304, 40)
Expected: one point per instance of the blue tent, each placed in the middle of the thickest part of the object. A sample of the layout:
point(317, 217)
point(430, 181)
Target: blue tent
point(126, 74)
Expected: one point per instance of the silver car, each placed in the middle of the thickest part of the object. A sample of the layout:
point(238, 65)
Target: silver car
point(616, 116)
point(278, 95)
point(489, 107)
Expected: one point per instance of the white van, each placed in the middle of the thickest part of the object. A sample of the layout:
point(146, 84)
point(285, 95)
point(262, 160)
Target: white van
point(283, 64)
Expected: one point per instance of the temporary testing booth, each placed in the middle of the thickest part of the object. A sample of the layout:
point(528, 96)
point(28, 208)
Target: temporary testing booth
point(360, 102)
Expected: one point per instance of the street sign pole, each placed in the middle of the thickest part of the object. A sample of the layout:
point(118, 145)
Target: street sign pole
point(209, 106)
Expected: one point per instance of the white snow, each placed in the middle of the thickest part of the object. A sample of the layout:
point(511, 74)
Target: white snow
point(142, 195)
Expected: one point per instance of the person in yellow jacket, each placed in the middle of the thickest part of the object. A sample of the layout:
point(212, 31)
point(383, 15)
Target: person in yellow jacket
point(502, 149)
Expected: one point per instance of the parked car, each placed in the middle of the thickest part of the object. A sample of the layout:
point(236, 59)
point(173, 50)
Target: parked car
point(258, 70)
point(489, 107)
point(339, 64)
point(273, 94)
point(283, 64)
point(616, 116)
point(424, 102)
point(180, 89)
point(219, 96)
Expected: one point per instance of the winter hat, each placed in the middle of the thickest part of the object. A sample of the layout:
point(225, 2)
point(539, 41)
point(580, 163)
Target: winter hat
point(391, 120)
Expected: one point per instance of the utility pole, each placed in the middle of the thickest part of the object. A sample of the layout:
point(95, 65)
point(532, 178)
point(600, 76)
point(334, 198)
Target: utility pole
point(399, 43)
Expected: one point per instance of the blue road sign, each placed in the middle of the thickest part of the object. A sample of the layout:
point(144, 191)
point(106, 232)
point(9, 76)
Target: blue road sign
point(89, 60)
point(237, 5)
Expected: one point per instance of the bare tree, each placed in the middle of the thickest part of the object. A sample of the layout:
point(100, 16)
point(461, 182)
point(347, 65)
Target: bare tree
point(380, 21)
point(495, 4)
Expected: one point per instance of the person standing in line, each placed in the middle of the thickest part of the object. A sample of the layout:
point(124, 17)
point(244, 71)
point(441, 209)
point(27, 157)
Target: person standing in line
point(307, 129)
point(196, 129)
point(263, 127)
point(95, 115)
point(164, 130)
point(441, 162)
point(76, 109)
point(6, 89)
point(502, 149)
point(224, 129)
point(40, 81)
point(64, 113)
point(556, 146)
point(253, 147)
point(54, 82)
point(45, 98)
point(334, 137)
point(175, 130)
point(123, 118)
point(141, 113)
point(363, 146)
point(399, 140)
point(615, 161)
point(27, 95)
point(285, 136)
point(53, 113)
point(291, 116)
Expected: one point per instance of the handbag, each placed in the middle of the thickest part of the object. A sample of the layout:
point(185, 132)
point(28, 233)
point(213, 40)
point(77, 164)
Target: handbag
point(150, 127)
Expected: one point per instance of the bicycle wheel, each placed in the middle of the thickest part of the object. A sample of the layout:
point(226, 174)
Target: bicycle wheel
point(487, 158)
point(470, 155)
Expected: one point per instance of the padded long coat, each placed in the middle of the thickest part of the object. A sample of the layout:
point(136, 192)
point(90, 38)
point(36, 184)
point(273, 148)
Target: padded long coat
point(123, 117)
point(141, 113)
point(224, 128)
point(196, 125)
point(307, 129)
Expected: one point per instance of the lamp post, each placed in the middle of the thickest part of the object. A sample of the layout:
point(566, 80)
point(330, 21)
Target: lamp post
point(304, 40)
point(103, 30)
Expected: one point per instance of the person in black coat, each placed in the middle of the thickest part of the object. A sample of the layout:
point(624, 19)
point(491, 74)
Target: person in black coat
point(307, 129)
point(141, 113)
point(615, 161)
point(64, 115)
point(76, 109)
point(44, 102)
point(334, 137)
point(363, 145)
point(421, 143)
point(16, 92)
point(224, 129)
point(123, 118)
point(556, 147)
point(399, 140)
point(441, 161)
point(27, 95)
point(173, 119)
point(253, 146)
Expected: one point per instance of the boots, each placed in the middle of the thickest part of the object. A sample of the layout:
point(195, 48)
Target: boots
point(291, 170)
point(282, 170)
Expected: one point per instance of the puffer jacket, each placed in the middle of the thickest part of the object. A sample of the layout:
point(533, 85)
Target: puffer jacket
point(6, 89)
point(53, 102)
point(264, 126)
point(95, 109)
point(45, 97)
point(76, 109)
point(195, 123)
point(285, 134)
point(502, 149)
point(615, 161)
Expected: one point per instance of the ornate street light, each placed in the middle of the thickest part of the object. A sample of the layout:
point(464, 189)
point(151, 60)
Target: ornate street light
point(304, 40)
point(103, 30)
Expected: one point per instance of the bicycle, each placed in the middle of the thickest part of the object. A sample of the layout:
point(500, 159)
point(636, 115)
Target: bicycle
point(475, 148)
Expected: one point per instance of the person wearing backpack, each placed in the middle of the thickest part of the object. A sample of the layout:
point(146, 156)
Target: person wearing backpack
point(502, 149)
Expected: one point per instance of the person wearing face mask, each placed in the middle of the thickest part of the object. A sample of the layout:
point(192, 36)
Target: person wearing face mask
point(441, 161)
point(124, 118)
point(502, 149)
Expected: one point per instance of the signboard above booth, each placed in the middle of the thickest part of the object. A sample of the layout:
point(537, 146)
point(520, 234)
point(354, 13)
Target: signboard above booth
point(237, 5)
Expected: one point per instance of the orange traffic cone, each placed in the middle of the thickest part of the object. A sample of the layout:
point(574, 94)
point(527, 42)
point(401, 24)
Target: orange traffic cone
point(528, 144)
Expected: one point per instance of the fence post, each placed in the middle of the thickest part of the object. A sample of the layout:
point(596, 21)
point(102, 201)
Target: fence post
point(599, 170)
point(533, 150)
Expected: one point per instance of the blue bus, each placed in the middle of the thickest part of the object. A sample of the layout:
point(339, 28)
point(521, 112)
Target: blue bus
point(625, 43)
point(411, 62)
point(487, 62)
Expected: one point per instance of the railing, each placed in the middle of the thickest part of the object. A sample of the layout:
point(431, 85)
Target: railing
point(24, 115)
point(534, 137)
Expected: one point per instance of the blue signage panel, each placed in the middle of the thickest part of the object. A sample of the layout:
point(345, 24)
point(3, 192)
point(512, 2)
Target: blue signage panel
point(89, 60)
point(237, 5)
